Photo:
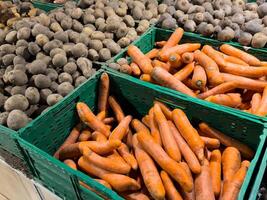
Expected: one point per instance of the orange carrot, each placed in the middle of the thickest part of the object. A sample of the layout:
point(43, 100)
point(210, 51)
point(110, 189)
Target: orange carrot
point(175, 60)
point(166, 79)
point(115, 106)
point(262, 109)
point(189, 83)
point(135, 196)
point(185, 72)
point(103, 92)
point(211, 68)
point(149, 171)
point(171, 191)
point(189, 133)
point(140, 59)
point(153, 53)
point(108, 120)
point(129, 138)
point(146, 78)
point(71, 139)
point(203, 183)
point(145, 120)
point(215, 171)
point(135, 69)
point(173, 168)
point(230, 99)
point(99, 137)
point(127, 156)
point(165, 109)
point(71, 163)
point(157, 63)
point(85, 135)
point(88, 117)
point(101, 115)
point(246, 151)
point(174, 39)
point(160, 43)
point(154, 127)
point(199, 77)
point(105, 183)
point(246, 57)
point(235, 60)
point(211, 143)
point(187, 153)
point(121, 130)
point(187, 195)
point(139, 126)
point(231, 161)
point(255, 102)
point(187, 57)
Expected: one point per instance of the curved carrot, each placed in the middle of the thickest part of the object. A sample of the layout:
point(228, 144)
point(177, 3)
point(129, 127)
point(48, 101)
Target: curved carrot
point(99, 137)
point(85, 135)
point(145, 120)
point(88, 117)
point(127, 156)
point(101, 115)
point(154, 127)
point(166, 79)
point(232, 51)
point(189, 83)
point(215, 171)
point(174, 39)
point(210, 66)
point(171, 191)
point(165, 109)
point(187, 153)
point(140, 59)
point(216, 56)
point(135, 69)
point(135, 196)
point(157, 63)
point(262, 110)
point(149, 171)
point(246, 151)
point(153, 53)
point(255, 102)
point(189, 133)
point(139, 126)
point(103, 92)
point(129, 138)
point(146, 78)
point(187, 57)
point(211, 143)
point(175, 60)
point(121, 130)
point(235, 60)
point(199, 77)
point(166, 135)
point(116, 108)
point(108, 120)
point(70, 163)
point(185, 72)
point(231, 99)
point(173, 168)
point(188, 195)
point(160, 43)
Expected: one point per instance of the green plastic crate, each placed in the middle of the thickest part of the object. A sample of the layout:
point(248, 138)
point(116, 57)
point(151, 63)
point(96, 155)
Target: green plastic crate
point(46, 6)
point(44, 135)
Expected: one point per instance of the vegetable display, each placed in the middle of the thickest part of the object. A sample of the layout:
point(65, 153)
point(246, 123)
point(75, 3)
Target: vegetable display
point(227, 76)
point(161, 156)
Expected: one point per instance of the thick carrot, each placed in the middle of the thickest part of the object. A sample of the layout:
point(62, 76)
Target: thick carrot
point(211, 143)
point(167, 138)
point(199, 77)
point(230, 99)
point(105, 183)
point(157, 63)
point(135, 69)
point(165, 109)
point(85, 135)
point(88, 117)
point(154, 127)
point(255, 102)
point(215, 55)
point(103, 92)
point(121, 130)
point(246, 151)
point(189, 133)
point(116, 108)
point(171, 191)
point(187, 57)
point(101, 115)
point(108, 120)
point(235, 60)
point(203, 183)
point(175, 60)
point(135, 196)
point(146, 78)
point(185, 72)
point(99, 137)
point(189, 83)
point(70, 163)
point(166, 79)
point(140, 59)
point(127, 156)
point(231, 161)
point(174, 169)
point(174, 39)
point(210, 66)
point(139, 126)
point(153, 53)
point(71, 139)
point(187, 195)
point(129, 138)
point(262, 110)
point(215, 171)
point(187, 153)
point(145, 120)
point(160, 43)
point(149, 171)
point(246, 57)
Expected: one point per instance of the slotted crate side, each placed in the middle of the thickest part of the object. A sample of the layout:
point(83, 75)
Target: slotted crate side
point(47, 7)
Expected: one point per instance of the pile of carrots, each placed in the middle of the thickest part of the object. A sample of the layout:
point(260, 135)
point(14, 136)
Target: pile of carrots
point(229, 77)
point(161, 156)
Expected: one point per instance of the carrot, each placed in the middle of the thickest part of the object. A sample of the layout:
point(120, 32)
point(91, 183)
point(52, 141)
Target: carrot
point(203, 183)
point(99, 137)
point(101, 115)
point(263, 63)
point(154, 127)
point(71, 139)
point(135, 196)
point(231, 161)
point(165, 109)
point(211, 68)
point(70, 163)
point(160, 43)
point(179, 49)
point(166, 135)
point(199, 77)
point(189, 133)
point(146, 78)
point(127, 156)
point(108, 120)
point(105, 183)
point(174, 39)
point(149, 171)
point(246, 151)
point(129, 138)
point(171, 191)
point(116, 108)
point(262, 109)
point(135, 69)
point(186, 152)
point(166, 79)
point(174, 169)
point(121, 130)
point(189, 83)
point(185, 72)
point(140, 59)
point(230, 99)
point(88, 117)
point(153, 53)
point(103, 92)
point(255, 102)
point(157, 63)
point(187, 195)
point(246, 57)
point(139, 126)
point(85, 135)
point(235, 60)
point(232, 190)
point(211, 143)
point(215, 171)
point(187, 57)
point(175, 60)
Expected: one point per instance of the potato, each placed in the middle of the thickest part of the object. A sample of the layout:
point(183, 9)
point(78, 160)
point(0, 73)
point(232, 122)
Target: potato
point(2, 99)
point(11, 37)
point(22, 51)
point(105, 54)
point(41, 39)
point(99, 13)
point(96, 44)
point(79, 80)
point(52, 99)
point(253, 26)
point(162, 8)
point(52, 74)
point(8, 89)
point(77, 26)
point(93, 55)
point(97, 35)
point(33, 95)
point(85, 66)
point(238, 18)
point(249, 15)
point(76, 75)
point(70, 67)
point(17, 119)
point(52, 45)
point(64, 77)
point(17, 101)
point(32, 110)
point(169, 23)
point(198, 17)
point(112, 46)
point(55, 27)
point(59, 60)
point(259, 40)
point(109, 35)
point(17, 77)
point(41, 81)
point(123, 30)
point(18, 60)
point(137, 13)
point(129, 21)
point(219, 14)
point(79, 50)
point(190, 26)
point(195, 9)
point(88, 19)
point(122, 61)
point(43, 19)
point(18, 90)
point(108, 11)
point(7, 48)
point(3, 118)
point(62, 36)
point(124, 42)
point(76, 13)
point(88, 31)
point(40, 29)
point(64, 89)
point(44, 93)
point(33, 48)
point(55, 51)
point(252, 6)
point(53, 87)
point(226, 34)
point(66, 23)
point(208, 7)
point(24, 33)
point(262, 10)
point(205, 29)
point(8, 59)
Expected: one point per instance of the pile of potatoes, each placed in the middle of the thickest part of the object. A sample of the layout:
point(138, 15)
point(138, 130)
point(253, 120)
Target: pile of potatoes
point(224, 20)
